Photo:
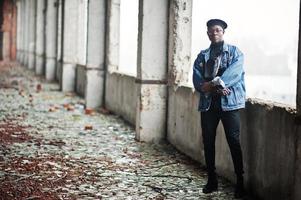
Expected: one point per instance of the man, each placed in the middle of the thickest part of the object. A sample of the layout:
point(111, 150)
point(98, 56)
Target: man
point(218, 76)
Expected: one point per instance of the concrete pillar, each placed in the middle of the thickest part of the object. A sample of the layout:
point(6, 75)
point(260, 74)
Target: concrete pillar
point(31, 34)
point(298, 99)
point(8, 30)
point(25, 39)
point(59, 56)
point(82, 32)
point(18, 4)
point(297, 181)
point(13, 33)
point(69, 45)
point(51, 41)
point(112, 37)
point(152, 70)
point(180, 30)
point(81, 47)
point(95, 70)
point(40, 42)
point(19, 47)
point(27, 32)
point(179, 58)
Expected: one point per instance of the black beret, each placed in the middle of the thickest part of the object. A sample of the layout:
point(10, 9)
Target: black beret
point(219, 22)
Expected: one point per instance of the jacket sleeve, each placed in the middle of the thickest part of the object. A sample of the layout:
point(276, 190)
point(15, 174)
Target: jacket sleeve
point(197, 76)
point(235, 70)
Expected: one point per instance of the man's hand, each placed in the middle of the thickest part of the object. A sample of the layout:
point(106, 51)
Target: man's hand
point(224, 92)
point(207, 87)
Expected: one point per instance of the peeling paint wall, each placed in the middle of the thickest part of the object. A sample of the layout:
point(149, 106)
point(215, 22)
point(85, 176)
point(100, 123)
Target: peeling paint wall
point(180, 28)
point(268, 137)
point(183, 122)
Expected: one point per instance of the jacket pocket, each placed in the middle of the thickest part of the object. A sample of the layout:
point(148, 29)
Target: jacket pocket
point(237, 95)
point(204, 102)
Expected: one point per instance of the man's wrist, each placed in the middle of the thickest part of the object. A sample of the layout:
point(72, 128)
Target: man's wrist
point(212, 85)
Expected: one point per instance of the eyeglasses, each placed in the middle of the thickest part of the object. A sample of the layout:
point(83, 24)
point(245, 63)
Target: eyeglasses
point(217, 30)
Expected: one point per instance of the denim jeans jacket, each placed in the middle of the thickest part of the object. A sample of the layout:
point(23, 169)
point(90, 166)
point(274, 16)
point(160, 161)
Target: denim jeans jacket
point(233, 77)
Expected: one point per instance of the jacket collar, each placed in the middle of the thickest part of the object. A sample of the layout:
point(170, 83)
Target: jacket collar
point(207, 51)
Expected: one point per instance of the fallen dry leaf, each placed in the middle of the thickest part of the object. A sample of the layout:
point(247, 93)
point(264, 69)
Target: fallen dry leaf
point(52, 109)
point(22, 93)
point(88, 127)
point(104, 111)
point(89, 111)
point(39, 87)
point(70, 108)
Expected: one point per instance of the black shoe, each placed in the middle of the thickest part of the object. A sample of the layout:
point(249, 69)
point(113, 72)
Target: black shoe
point(239, 192)
point(211, 185)
point(239, 188)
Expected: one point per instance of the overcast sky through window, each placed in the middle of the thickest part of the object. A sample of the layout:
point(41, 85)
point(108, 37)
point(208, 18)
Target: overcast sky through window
point(128, 36)
point(267, 33)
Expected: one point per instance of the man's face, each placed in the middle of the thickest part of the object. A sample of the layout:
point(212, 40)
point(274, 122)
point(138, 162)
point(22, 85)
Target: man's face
point(215, 33)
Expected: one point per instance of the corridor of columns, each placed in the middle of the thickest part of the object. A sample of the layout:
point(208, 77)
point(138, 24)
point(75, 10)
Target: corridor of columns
point(96, 103)
point(54, 148)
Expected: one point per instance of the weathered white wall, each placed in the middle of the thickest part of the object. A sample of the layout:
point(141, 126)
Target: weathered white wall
point(180, 31)
point(269, 140)
point(183, 123)
point(121, 96)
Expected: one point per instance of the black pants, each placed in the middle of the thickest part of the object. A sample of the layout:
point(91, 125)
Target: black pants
point(231, 123)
